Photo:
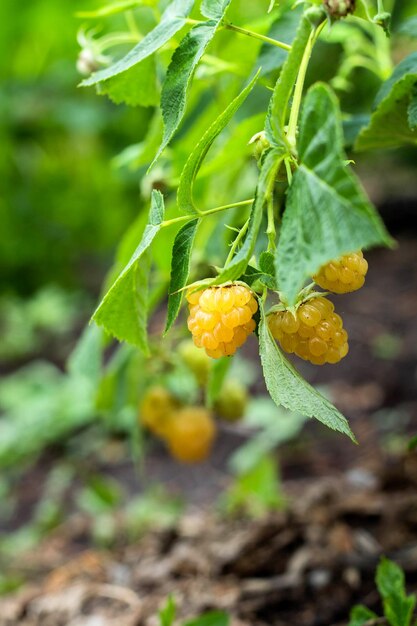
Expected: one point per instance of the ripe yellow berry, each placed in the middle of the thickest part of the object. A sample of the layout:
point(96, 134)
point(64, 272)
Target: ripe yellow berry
point(156, 409)
point(315, 333)
point(231, 401)
point(190, 434)
point(343, 275)
point(221, 318)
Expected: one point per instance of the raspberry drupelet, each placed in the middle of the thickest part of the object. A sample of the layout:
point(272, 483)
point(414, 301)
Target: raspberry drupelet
point(343, 275)
point(315, 333)
point(221, 318)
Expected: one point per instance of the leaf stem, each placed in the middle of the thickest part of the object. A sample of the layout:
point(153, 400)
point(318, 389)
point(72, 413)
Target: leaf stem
point(299, 85)
point(237, 241)
point(251, 33)
point(217, 209)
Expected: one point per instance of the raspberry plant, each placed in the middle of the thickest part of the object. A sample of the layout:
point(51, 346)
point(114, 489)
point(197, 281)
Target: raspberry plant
point(241, 153)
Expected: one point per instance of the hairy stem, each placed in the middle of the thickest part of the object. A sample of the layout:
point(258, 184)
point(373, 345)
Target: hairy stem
point(299, 85)
point(217, 209)
point(236, 242)
point(251, 33)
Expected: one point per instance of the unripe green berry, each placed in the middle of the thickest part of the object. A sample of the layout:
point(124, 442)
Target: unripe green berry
point(232, 400)
point(196, 360)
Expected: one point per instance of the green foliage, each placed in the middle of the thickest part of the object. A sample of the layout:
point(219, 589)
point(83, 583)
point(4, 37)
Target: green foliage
point(274, 426)
point(180, 269)
point(196, 158)
point(398, 607)
point(323, 193)
point(393, 120)
point(167, 613)
point(123, 310)
point(171, 22)
point(287, 387)
point(213, 618)
point(137, 86)
point(183, 64)
point(256, 491)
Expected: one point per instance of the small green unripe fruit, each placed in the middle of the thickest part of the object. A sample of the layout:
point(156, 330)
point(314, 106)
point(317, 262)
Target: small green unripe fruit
point(232, 400)
point(195, 359)
point(259, 144)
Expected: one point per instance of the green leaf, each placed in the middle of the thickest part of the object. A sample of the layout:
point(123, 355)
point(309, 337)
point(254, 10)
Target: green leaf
point(288, 389)
point(173, 19)
point(167, 613)
point(412, 110)
point(239, 263)
point(123, 310)
point(409, 27)
point(278, 106)
point(135, 87)
point(389, 126)
point(180, 269)
point(213, 618)
point(214, 9)
point(398, 608)
point(113, 8)
point(86, 358)
point(180, 72)
point(360, 614)
point(196, 158)
point(327, 214)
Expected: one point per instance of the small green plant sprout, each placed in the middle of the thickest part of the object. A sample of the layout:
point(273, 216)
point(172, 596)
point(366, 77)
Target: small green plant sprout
point(212, 618)
point(397, 605)
point(250, 241)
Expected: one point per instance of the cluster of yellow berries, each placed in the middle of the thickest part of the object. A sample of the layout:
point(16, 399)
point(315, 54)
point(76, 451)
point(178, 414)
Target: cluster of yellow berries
point(188, 431)
point(314, 332)
point(343, 275)
point(221, 318)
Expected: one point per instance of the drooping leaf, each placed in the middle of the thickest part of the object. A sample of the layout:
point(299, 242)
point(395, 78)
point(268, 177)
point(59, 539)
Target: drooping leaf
point(123, 310)
point(327, 214)
point(389, 126)
point(288, 389)
point(278, 106)
point(240, 261)
point(180, 72)
point(180, 268)
point(171, 22)
point(135, 87)
point(196, 158)
point(86, 358)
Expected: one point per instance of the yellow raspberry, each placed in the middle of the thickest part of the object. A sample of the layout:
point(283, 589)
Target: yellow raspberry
point(343, 275)
point(156, 409)
point(221, 318)
point(191, 434)
point(315, 332)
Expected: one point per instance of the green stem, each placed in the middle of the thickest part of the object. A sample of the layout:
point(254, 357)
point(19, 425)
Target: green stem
point(217, 209)
point(237, 241)
point(299, 85)
point(270, 230)
point(288, 170)
point(251, 33)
